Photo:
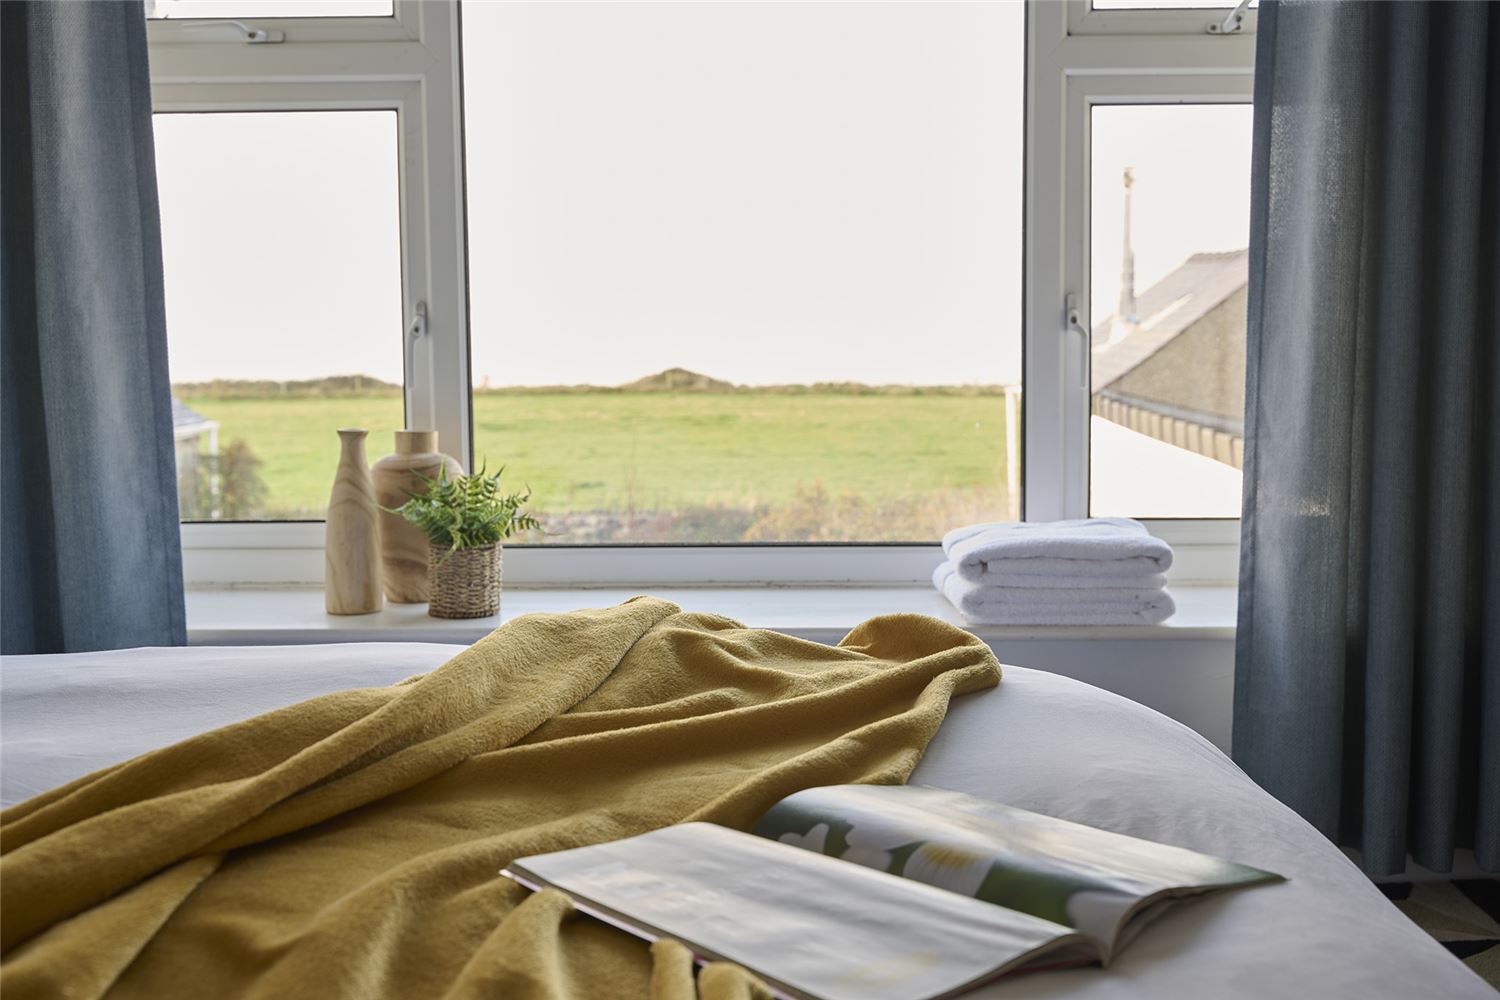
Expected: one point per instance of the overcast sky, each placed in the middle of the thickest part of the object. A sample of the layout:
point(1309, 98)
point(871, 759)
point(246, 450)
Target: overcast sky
point(761, 192)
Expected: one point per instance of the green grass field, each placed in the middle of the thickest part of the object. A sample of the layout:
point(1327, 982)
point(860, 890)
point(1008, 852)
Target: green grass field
point(735, 465)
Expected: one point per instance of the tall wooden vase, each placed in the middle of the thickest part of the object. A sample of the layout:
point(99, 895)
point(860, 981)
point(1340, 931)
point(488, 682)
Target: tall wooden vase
point(351, 585)
point(403, 547)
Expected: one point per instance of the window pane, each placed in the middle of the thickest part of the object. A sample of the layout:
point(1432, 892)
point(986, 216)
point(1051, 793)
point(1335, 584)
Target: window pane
point(267, 8)
point(1170, 218)
point(767, 257)
point(281, 243)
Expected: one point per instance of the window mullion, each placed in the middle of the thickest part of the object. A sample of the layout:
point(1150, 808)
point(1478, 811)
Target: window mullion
point(1054, 479)
point(438, 358)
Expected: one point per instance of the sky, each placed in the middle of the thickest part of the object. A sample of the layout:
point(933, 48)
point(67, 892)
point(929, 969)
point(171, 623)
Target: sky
point(1191, 192)
point(761, 192)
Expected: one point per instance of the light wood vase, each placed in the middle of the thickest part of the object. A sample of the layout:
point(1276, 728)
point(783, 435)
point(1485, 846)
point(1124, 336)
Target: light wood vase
point(465, 582)
point(403, 547)
point(351, 582)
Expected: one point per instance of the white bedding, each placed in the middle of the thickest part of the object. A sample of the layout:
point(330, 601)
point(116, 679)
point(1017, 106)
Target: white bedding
point(1039, 741)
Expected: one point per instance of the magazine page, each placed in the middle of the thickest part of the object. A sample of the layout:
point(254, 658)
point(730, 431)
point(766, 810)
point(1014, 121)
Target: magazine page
point(1086, 878)
point(810, 926)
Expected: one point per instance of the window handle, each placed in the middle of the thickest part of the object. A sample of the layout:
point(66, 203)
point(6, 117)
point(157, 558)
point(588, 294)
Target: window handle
point(416, 333)
point(417, 328)
point(1075, 325)
point(249, 35)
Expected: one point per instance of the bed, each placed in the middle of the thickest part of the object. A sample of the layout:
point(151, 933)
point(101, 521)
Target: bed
point(1040, 741)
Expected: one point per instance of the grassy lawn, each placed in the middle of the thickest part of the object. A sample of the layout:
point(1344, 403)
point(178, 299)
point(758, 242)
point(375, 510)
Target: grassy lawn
point(590, 452)
point(296, 442)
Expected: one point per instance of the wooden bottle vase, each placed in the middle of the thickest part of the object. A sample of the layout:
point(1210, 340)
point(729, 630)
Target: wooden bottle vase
point(403, 547)
point(351, 584)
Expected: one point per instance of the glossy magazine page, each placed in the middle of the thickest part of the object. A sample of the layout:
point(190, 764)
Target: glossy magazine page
point(810, 926)
point(1103, 884)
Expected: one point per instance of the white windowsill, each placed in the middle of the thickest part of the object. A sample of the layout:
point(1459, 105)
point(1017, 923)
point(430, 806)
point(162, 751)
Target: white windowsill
point(289, 555)
point(823, 614)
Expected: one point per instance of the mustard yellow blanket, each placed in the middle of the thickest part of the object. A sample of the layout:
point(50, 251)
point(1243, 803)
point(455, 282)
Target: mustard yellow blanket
point(349, 846)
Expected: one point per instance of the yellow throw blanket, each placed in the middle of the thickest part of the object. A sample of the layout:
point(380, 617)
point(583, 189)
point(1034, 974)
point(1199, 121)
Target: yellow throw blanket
point(349, 846)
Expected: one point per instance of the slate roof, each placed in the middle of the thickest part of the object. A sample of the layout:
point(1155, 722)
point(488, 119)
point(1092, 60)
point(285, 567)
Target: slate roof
point(1166, 309)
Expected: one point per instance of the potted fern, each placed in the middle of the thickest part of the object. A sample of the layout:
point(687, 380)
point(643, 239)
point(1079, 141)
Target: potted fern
point(465, 519)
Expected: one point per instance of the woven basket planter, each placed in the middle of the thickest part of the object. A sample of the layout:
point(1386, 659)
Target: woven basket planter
point(464, 583)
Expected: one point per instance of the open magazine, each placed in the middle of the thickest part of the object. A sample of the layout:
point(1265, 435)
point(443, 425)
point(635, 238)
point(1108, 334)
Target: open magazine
point(885, 893)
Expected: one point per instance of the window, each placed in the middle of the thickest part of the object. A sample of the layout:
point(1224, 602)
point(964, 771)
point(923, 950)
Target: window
point(281, 244)
point(1166, 4)
point(267, 8)
point(1167, 18)
point(747, 272)
point(1138, 426)
point(801, 256)
point(1169, 222)
point(310, 238)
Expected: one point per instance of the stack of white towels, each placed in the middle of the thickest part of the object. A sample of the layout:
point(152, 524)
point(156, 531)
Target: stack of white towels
point(1098, 571)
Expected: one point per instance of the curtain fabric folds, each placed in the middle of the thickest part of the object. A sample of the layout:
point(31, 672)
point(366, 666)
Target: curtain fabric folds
point(88, 496)
point(1367, 686)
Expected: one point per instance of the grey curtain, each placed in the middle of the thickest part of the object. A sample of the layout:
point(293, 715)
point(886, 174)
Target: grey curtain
point(88, 496)
point(1367, 684)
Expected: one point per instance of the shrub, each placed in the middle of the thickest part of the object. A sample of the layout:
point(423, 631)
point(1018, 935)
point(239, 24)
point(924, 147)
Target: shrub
point(226, 486)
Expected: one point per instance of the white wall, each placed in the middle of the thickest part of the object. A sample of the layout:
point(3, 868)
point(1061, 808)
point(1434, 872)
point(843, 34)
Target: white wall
point(1190, 680)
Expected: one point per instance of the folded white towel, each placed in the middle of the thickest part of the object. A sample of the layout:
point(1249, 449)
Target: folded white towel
point(988, 605)
point(1108, 552)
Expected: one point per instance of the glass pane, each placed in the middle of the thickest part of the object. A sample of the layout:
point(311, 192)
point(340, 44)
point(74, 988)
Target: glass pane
point(267, 8)
point(281, 242)
point(747, 272)
point(1170, 221)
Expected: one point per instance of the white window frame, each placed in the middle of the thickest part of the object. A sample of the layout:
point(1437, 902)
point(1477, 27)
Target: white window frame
point(410, 63)
point(1072, 66)
point(406, 64)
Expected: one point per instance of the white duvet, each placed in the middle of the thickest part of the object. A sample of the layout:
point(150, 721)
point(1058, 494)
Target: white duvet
point(1038, 741)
